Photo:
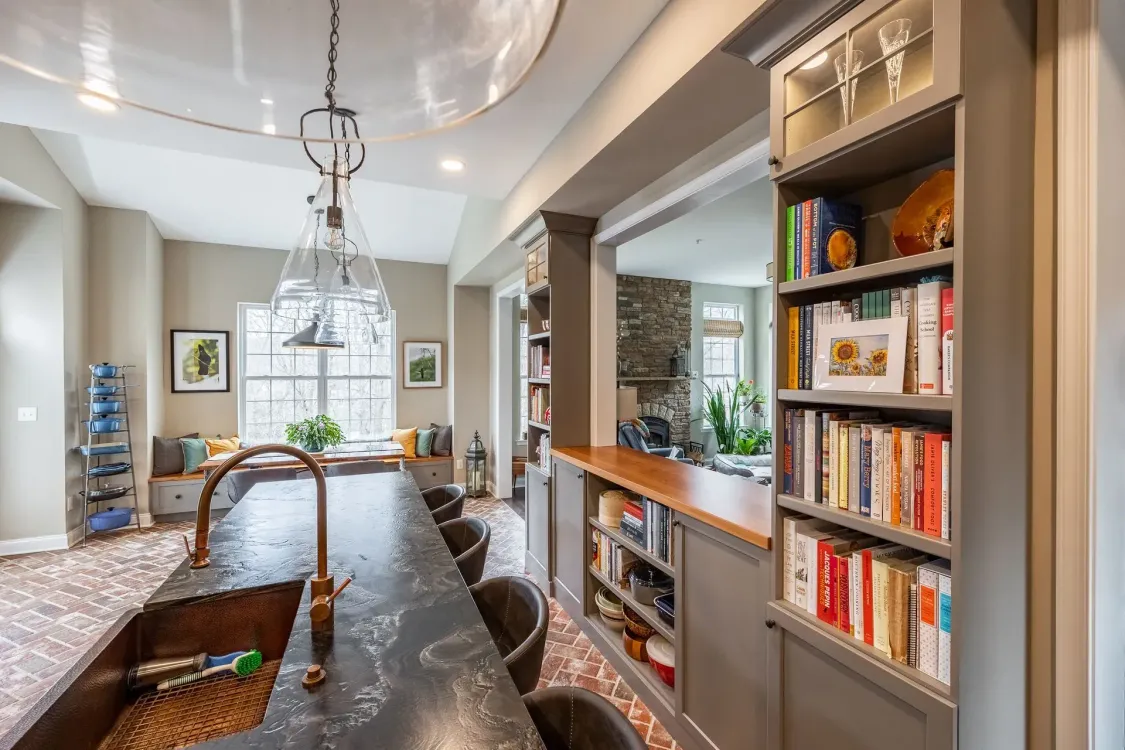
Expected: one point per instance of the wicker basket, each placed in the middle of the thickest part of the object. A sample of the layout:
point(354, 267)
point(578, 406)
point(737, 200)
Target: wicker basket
point(611, 506)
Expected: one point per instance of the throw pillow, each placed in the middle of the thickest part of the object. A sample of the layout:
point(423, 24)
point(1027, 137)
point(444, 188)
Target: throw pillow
point(443, 440)
point(425, 442)
point(407, 439)
point(195, 453)
point(215, 446)
point(168, 455)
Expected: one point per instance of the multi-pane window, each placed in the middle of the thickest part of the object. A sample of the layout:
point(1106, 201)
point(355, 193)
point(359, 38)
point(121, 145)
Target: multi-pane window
point(722, 337)
point(278, 386)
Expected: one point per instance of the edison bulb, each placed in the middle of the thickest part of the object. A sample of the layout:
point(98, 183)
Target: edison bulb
point(334, 240)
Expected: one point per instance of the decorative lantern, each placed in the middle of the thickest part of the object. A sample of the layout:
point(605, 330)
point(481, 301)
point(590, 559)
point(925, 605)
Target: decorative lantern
point(475, 467)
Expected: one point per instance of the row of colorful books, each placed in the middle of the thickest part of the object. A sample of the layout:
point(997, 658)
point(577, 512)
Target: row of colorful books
point(895, 472)
point(539, 363)
point(929, 333)
point(612, 560)
point(821, 236)
point(538, 403)
point(649, 524)
point(893, 598)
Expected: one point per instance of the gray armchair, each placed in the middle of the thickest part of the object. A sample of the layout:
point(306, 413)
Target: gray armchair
point(629, 435)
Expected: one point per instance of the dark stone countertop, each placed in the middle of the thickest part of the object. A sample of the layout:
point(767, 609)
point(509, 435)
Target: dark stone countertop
point(410, 666)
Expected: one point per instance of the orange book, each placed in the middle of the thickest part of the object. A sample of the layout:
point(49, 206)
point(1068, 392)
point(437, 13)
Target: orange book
point(794, 334)
point(931, 499)
point(896, 475)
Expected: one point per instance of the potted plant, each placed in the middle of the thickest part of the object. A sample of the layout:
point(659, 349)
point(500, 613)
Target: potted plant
point(314, 434)
point(723, 409)
point(752, 442)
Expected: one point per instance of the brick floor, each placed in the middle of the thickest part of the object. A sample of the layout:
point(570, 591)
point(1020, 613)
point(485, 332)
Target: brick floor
point(54, 605)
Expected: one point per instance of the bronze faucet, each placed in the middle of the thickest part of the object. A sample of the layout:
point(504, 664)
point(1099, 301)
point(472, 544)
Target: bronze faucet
point(321, 586)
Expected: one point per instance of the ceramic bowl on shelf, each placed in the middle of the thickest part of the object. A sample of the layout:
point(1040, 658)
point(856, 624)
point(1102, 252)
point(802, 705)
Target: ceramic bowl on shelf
point(106, 407)
point(634, 646)
point(666, 607)
point(662, 657)
point(635, 625)
point(647, 582)
point(610, 608)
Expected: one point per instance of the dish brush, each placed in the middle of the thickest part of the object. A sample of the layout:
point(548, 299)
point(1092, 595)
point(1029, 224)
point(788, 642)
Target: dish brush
point(241, 663)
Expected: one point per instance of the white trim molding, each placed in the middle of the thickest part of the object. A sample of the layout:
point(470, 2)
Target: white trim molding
point(31, 544)
point(1076, 289)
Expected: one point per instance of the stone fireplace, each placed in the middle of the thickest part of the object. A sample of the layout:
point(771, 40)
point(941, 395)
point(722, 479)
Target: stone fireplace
point(653, 316)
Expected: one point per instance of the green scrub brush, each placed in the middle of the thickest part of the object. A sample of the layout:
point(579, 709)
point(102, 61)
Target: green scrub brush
point(242, 664)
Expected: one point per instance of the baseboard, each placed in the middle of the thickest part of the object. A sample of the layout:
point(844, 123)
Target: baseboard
point(74, 536)
point(34, 544)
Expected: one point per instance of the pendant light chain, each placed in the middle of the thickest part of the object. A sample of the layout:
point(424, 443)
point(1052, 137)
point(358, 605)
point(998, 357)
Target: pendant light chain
point(333, 41)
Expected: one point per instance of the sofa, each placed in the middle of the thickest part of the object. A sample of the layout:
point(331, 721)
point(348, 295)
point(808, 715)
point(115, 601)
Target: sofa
point(631, 434)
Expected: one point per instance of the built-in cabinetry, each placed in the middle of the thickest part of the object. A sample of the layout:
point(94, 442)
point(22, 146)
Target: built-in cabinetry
point(863, 111)
point(722, 584)
point(557, 281)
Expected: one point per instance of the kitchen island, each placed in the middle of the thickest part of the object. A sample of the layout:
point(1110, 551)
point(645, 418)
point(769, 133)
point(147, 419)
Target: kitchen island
point(410, 663)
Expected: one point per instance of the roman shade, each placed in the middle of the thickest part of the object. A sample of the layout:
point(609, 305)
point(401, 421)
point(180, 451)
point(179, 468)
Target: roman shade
point(722, 329)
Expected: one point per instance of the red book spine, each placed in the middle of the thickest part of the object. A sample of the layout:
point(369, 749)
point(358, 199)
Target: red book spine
point(933, 484)
point(634, 511)
point(868, 601)
point(806, 240)
point(946, 335)
point(844, 597)
point(825, 609)
point(919, 479)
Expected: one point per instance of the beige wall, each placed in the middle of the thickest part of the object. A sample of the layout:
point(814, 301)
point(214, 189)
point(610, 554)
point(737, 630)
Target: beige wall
point(126, 328)
point(203, 284)
point(42, 347)
point(469, 312)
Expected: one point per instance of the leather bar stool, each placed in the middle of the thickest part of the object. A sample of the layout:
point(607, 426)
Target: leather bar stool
point(570, 718)
point(467, 540)
point(445, 502)
point(516, 613)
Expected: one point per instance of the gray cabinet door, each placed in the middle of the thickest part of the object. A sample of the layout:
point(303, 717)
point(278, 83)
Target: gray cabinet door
point(824, 693)
point(570, 535)
point(722, 585)
point(537, 559)
point(431, 473)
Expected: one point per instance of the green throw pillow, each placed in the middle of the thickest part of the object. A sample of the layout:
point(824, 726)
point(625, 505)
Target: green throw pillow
point(195, 453)
point(425, 441)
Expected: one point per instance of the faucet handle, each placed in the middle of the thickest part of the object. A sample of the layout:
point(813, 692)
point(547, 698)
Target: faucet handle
point(322, 605)
point(339, 590)
point(187, 546)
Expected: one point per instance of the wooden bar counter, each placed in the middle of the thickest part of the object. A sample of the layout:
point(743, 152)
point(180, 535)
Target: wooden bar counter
point(721, 564)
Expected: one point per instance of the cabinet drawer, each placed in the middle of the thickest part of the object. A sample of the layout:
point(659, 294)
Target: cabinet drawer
point(432, 474)
point(183, 497)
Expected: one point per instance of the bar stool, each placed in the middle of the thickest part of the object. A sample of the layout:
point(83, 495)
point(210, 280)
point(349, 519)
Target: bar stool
point(516, 612)
point(445, 502)
point(570, 718)
point(467, 540)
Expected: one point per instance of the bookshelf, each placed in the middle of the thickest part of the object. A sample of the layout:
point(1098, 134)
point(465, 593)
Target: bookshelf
point(980, 76)
point(557, 280)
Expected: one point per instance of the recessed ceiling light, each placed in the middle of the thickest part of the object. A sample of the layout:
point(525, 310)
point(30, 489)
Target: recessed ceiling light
point(266, 101)
point(504, 50)
point(269, 129)
point(452, 165)
point(98, 101)
point(816, 61)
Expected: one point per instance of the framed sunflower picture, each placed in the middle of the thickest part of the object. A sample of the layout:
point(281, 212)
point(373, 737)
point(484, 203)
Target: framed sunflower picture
point(868, 355)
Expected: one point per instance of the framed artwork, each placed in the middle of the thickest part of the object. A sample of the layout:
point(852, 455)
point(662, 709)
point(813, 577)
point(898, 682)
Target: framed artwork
point(868, 355)
point(421, 364)
point(200, 361)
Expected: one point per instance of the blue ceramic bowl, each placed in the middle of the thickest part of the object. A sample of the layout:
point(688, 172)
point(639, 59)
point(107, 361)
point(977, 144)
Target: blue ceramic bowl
point(666, 607)
point(113, 518)
point(105, 370)
point(103, 390)
point(104, 449)
point(106, 407)
point(99, 426)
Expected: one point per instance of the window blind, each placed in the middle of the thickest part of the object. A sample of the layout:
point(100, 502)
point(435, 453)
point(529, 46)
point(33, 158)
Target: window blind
point(722, 329)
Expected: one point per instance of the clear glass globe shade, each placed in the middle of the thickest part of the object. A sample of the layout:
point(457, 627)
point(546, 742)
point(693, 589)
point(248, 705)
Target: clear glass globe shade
point(406, 67)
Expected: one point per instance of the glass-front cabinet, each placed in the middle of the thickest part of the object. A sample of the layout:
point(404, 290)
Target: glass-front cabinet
point(878, 65)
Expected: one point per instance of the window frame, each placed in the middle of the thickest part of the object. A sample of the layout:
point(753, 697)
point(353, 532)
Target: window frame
point(322, 377)
point(736, 314)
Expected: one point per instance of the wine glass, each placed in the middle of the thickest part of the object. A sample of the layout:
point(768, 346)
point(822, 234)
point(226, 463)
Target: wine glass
point(891, 37)
point(848, 64)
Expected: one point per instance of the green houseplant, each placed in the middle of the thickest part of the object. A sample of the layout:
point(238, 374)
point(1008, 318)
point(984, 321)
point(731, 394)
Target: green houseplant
point(723, 409)
point(314, 434)
point(752, 442)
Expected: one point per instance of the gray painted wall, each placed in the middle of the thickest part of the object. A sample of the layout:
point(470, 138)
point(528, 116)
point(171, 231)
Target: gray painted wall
point(42, 343)
point(129, 328)
point(204, 284)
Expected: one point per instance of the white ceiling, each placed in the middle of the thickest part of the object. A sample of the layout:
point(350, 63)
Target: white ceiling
point(727, 241)
point(210, 185)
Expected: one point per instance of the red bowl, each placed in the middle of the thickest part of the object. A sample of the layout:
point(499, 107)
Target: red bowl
point(662, 657)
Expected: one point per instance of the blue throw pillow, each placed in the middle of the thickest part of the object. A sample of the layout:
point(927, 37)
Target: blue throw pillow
point(195, 453)
point(425, 442)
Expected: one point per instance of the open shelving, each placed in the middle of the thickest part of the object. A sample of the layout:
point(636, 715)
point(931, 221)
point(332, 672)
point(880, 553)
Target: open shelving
point(610, 645)
point(920, 541)
point(632, 546)
point(648, 613)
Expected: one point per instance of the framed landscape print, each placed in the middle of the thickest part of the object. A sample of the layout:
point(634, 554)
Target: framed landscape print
point(200, 361)
point(421, 364)
point(868, 355)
